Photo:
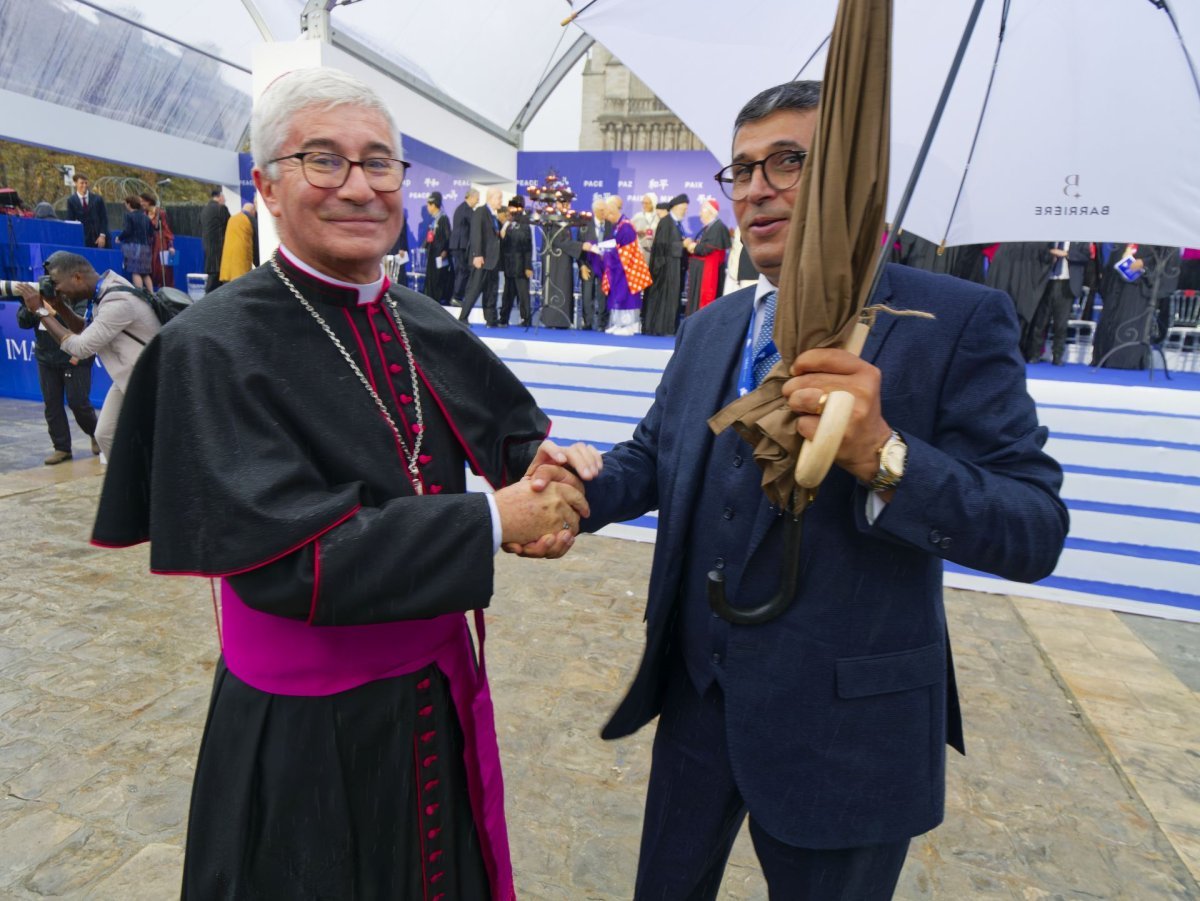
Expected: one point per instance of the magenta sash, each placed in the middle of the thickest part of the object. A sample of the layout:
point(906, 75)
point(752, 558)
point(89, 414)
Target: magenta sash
point(288, 657)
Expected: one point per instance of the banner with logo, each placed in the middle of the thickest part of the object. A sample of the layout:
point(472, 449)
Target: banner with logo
point(245, 181)
point(18, 367)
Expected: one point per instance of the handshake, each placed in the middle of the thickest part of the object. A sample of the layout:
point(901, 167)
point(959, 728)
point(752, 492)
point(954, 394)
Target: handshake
point(539, 516)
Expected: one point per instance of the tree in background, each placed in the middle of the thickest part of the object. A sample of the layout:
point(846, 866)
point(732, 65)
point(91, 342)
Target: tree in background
point(35, 174)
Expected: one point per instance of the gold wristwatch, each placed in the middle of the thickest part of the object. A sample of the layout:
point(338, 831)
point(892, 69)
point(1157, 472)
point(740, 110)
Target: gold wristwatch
point(892, 457)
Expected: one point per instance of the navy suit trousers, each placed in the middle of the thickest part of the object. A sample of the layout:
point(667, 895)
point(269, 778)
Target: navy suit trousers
point(694, 811)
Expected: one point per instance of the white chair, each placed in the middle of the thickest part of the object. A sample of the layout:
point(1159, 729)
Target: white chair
point(1080, 332)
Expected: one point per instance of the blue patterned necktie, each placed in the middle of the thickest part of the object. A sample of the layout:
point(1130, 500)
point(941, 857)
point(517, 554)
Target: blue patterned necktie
point(763, 361)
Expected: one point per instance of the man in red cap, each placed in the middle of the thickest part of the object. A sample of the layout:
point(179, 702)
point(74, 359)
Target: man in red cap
point(706, 269)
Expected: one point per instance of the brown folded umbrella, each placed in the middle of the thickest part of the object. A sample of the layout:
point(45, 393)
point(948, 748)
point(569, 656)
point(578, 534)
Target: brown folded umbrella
point(834, 240)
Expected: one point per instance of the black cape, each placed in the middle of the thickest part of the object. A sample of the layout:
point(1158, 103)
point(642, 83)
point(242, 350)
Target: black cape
point(234, 448)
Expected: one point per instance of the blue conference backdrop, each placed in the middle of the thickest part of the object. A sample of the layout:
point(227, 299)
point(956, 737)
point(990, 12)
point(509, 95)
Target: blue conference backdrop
point(29, 242)
point(18, 368)
point(434, 170)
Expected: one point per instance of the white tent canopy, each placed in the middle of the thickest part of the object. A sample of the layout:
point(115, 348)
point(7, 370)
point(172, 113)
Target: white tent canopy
point(171, 83)
point(1078, 120)
point(168, 86)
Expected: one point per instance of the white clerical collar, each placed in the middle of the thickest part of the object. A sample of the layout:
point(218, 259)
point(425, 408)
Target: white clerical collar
point(368, 293)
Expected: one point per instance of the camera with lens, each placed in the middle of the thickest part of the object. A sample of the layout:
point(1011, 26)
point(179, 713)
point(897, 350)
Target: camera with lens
point(44, 285)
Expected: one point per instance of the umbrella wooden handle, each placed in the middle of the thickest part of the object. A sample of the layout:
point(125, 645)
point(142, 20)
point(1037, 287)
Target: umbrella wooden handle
point(817, 454)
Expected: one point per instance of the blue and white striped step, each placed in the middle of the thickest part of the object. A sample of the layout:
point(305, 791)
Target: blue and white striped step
point(1130, 452)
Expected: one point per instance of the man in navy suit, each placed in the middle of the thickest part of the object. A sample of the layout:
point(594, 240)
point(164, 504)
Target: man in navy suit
point(88, 208)
point(827, 725)
point(460, 243)
point(485, 260)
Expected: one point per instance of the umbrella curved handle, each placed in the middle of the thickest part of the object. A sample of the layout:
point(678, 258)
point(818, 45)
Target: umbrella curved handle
point(773, 607)
point(816, 454)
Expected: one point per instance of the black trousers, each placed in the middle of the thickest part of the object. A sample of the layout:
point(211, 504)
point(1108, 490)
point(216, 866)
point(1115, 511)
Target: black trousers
point(516, 288)
point(462, 272)
point(76, 383)
point(694, 812)
point(485, 284)
point(212, 282)
point(595, 304)
point(1052, 314)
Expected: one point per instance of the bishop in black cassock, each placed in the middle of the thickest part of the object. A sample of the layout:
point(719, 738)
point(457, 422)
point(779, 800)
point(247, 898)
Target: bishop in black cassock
point(301, 436)
point(660, 303)
point(439, 277)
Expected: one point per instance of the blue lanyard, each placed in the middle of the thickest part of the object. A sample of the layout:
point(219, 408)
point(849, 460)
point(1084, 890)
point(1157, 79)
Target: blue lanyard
point(750, 360)
point(87, 315)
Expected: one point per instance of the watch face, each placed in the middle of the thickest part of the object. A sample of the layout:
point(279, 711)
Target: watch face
point(894, 456)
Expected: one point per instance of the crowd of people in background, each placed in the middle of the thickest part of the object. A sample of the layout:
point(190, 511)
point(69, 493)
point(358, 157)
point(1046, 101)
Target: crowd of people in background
point(624, 275)
point(493, 253)
point(1123, 290)
point(482, 255)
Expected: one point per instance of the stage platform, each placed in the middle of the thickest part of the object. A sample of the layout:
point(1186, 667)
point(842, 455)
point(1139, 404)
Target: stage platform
point(1129, 445)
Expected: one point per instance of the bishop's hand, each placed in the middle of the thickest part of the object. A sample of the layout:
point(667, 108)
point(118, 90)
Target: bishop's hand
point(527, 515)
point(551, 465)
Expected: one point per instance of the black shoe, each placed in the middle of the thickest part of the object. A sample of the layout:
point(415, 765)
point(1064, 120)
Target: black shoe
point(95, 447)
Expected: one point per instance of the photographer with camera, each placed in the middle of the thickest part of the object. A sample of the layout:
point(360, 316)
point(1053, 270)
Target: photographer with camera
point(122, 324)
point(59, 374)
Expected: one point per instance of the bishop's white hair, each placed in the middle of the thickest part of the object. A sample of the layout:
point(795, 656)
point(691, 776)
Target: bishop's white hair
point(307, 89)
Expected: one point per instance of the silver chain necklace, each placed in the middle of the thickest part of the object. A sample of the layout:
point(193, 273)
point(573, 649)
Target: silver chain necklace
point(412, 459)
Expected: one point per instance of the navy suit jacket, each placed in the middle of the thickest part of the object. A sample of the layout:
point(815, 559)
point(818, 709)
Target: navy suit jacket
point(485, 237)
point(460, 233)
point(94, 218)
point(839, 711)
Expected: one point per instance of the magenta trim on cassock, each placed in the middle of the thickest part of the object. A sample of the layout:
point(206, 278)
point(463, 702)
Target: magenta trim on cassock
point(289, 657)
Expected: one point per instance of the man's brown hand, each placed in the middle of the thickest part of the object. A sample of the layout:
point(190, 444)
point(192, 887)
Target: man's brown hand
point(818, 372)
point(30, 296)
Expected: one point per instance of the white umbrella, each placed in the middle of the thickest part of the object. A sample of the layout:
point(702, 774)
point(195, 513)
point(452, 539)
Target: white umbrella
point(1069, 120)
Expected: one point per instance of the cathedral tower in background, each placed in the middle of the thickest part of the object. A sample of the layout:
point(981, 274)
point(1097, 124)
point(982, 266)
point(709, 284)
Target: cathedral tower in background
point(621, 113)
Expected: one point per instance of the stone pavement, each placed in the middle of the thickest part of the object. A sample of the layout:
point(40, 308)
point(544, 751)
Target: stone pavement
point(1083, 726)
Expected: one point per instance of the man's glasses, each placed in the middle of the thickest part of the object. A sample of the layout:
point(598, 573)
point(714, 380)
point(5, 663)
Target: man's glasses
point(781, 170)
point(323, 169)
